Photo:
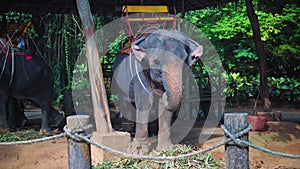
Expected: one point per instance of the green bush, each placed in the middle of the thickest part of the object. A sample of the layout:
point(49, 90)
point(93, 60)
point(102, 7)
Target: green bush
point(281, 90)
point(286, 90)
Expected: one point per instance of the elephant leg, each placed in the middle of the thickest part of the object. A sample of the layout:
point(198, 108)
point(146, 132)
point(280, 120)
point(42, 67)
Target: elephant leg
point(141, 133)
point(144, 103)
point(141, 143)
point(57, 118)
point(3, 113)
point(164, 132)
point(127, 115)
point(16, 116)
point(45, 119)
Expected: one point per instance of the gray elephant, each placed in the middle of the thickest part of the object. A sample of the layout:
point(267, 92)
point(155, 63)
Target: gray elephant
point(152, 73)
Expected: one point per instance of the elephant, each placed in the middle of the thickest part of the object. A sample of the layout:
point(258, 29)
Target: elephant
point(151, 74)
point(25, 76)
point(16, 116)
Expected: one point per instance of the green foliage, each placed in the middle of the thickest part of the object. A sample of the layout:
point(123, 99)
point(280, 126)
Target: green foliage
point(116, 46)
point(21, 135)
point(228, 27)
point(270, 24)
point(81, 85)
point(198, 161)
point(233, 24)
point(284, 48)
point(114, 49)
point(241, 87)
point(17, 17)
point(281, 90)
point(61, 44)
point(67, 59)
point(285, 90)
point(80, 72)
point(231, 21)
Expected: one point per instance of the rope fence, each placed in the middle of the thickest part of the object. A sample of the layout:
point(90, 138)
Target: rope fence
point(44, 139)
point(243, 143)
point(230, 139)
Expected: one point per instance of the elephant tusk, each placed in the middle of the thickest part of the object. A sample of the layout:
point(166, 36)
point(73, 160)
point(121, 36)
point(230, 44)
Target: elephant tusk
point(198, 52)
point(164, 99)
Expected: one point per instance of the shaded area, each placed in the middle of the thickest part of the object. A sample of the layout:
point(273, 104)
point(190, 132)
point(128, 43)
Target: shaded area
point(281, 132)
point(104, 8)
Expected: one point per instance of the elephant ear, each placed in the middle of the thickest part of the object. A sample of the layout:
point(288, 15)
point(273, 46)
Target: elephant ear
point(196, 51)
point(139, 47)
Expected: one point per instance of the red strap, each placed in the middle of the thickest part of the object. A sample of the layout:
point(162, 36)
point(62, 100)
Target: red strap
point(27, 56)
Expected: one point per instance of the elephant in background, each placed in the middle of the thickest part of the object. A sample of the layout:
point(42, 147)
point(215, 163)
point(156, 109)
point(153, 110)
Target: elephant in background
point(24, 76)
point(151, 74)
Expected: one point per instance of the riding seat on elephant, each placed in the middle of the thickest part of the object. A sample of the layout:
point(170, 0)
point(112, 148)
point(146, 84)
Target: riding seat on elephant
point(152, 74)
point(24, 76)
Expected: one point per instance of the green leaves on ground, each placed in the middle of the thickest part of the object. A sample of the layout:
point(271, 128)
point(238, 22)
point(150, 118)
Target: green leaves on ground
point(197, 161)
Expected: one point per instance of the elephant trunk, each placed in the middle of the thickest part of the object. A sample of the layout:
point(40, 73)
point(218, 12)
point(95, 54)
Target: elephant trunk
point(172, 81)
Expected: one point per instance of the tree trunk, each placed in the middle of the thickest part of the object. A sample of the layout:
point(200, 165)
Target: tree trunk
point(261, 54)
point(99, 99)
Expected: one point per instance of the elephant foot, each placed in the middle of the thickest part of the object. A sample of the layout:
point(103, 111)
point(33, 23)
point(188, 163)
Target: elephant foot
point(164, 144)
point(60, 122)
point(19, 124)
point(45, 130)
point(140, 146)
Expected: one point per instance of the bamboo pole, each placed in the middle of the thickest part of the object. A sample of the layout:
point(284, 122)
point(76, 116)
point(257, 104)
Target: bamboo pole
point(99, 99)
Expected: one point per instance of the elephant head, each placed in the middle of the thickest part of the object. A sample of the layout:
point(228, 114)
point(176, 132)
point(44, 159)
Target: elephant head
point(164, 53)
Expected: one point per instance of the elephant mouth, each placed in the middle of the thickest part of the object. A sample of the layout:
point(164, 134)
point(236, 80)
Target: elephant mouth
point(157, 88)
point(155, 80)
point(156, 75)
point(157, 85)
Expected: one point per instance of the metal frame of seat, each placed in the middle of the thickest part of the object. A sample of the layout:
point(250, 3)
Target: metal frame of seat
point(146, 16)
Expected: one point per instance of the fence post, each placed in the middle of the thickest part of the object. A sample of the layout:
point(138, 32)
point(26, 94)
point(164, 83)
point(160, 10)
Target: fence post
point(235, 156)
point(79, 152)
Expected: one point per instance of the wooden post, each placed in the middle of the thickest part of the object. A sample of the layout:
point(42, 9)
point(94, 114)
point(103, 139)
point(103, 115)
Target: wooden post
point(104, 134)
point(98, 92)
point(79, 152)
point(235, 156)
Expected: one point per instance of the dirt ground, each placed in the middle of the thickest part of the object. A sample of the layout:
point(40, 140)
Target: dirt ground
point(279, 136)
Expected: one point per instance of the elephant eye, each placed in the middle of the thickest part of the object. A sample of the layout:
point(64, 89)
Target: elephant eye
point(156, 61)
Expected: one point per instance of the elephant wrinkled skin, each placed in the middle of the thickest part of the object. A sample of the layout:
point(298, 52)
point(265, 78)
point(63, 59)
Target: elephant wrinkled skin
point(153, 74)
